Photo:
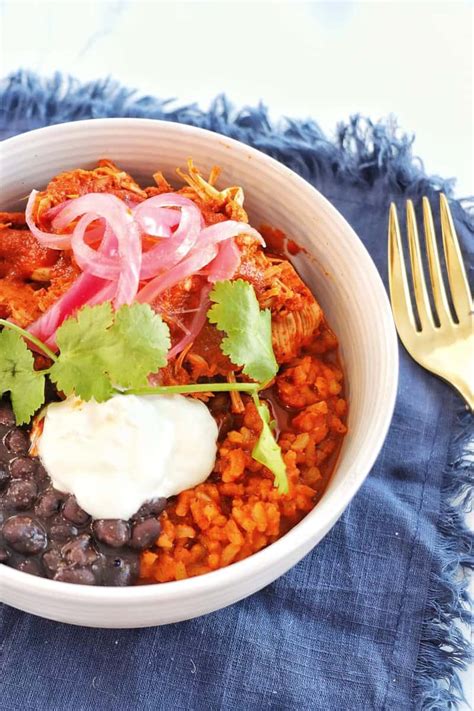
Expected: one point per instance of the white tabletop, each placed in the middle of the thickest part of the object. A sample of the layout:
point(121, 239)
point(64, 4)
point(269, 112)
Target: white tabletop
point(324, 60)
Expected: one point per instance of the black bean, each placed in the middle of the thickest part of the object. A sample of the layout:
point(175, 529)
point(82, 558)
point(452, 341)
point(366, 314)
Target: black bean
point(62, 531)
point(145, 533)
point(113, 532)
point(79, 552)
point(4, 453)
point(73, 512)
point(21, 494)
point(16, 441)
point(52, 561)
point(59, 540)
point(24, 535)
point(41, 474)
point(79, 576)
point(31, 566)
point(150, 508)
point(75, 554)
point(119, 571)
point(49, 503)
point(22, 467)
point(4, 476)
point(7, 418)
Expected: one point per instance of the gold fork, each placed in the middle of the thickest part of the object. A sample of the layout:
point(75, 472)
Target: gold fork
point(447, 349)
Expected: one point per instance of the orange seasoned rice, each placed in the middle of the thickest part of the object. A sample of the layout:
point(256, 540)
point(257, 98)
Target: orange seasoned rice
point(238, 511)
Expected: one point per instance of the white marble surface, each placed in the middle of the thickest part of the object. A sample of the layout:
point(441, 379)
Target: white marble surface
point(325, 60)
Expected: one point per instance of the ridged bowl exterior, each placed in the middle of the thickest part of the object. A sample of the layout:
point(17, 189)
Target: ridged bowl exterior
point(342, 276)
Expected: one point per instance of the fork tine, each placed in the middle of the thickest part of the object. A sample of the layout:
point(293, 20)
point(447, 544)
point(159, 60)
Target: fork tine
point(419, 285)
point(439, 292)
point(397, 277)
point(460, 292)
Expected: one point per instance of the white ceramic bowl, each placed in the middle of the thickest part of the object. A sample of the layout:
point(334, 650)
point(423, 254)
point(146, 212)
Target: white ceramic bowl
point(341, 275)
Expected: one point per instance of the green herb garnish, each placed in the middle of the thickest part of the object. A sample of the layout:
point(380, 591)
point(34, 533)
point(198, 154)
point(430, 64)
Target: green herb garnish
point(18, 376)
point(267, 450)
point(248, 340)
point(103, 353)
point(101, 350)
point(81, 366)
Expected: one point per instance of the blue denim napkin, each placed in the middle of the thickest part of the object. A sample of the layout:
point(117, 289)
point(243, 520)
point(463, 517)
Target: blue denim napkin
point(367, 620)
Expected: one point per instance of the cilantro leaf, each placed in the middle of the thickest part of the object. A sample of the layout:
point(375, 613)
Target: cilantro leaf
point(267, 451)
point(249, 330)
point(81, 365)
point(100, 349)
point(18, 376)
point(139, 342)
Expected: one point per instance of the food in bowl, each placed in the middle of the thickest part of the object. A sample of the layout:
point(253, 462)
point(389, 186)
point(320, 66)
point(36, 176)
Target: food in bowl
point(175, 400)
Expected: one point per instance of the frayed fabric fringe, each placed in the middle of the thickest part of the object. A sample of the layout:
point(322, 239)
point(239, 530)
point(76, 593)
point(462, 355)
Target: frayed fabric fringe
point(362, 153)
point(444, 647)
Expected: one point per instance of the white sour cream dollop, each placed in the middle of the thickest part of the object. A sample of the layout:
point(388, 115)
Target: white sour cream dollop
point(116, 455)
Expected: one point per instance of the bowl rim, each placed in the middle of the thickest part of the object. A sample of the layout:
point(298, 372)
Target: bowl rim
point(300, 534)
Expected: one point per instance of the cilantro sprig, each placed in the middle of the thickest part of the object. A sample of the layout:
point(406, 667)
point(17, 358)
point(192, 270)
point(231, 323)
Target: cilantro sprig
point(248, 343)
point(248, 339)
point(18, 376)
point(100, 350)
point(266, 450)
point(102, 353)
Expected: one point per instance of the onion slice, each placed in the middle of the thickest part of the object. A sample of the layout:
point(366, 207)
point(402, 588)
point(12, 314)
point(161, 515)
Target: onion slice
point(225, 230)
point(80, 292)
point(120, 220)
point(105, 293)
point(225, 264)
point(186, 246)
point(168, 253)
point(85, 288)
point(91, 260)
point(203, 253)
point(46, 239)
point(198, 321)
point(154, 220)
point(53, 211)
point(187, 267)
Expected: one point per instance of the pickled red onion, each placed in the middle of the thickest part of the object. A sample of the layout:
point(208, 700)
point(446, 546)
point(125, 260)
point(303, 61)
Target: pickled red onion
point(46, 239)
point(161, 201)
point(225, 230)
point(187, 267)
point(204, 252)
point(53, 211)
point(75, 297)
point(198, 321)
point(80, 293)
point(113, 270)
point(120, 220)
point(90, 260)
point(106, 293)
point(168, 253)
point(156, 221)
point(131, 259)
point(171, 251)
point(154, 216)
point(225, 264)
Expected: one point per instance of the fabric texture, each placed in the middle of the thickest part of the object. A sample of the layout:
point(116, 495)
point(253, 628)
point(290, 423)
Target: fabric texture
point(368, 619)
